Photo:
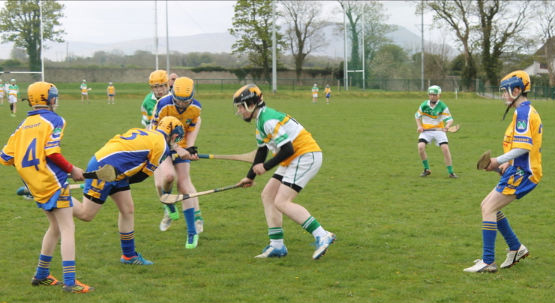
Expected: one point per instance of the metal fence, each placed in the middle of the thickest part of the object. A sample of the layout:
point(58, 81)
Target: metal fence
point(536, 92)
point(406, 85)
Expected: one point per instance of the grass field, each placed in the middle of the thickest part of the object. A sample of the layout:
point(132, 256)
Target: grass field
point(400, 238)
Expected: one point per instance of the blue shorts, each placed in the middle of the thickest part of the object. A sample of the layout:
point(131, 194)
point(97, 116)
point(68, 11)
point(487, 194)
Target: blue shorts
point(97, 190)
point(60, 199)
point(178, 160)
point(515, 181)
point(328, 95)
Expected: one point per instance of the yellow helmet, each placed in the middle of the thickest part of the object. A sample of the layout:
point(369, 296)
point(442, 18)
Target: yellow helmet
point(158, 77)
point(42, 94)
point(170, 125)
point(518, 78)
point(183, 91)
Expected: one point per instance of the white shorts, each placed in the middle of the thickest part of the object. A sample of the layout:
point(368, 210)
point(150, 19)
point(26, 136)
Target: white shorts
point(1, 95)
point(12, 99)
point(315, 95)
point(84, 93)
point(434, 135)
point(301, 170)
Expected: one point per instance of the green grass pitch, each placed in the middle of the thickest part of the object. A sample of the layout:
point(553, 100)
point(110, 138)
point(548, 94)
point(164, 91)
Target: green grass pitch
point(400, 238)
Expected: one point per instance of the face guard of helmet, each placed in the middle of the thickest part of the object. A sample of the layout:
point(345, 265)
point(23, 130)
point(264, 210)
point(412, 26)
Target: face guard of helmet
point(42, 95)
point(250, 97)
point(183, 92)
point(158, 81)
point(517, 79)
point(171, 126)
point(433, 93)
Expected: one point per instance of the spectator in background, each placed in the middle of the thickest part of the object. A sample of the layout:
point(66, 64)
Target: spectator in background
point(84, 91)
point(111, 91)
point(314, 93)
point(13, 94)
point(171, 80)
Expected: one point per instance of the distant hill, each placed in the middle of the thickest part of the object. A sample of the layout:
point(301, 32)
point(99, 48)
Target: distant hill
point(213, 43)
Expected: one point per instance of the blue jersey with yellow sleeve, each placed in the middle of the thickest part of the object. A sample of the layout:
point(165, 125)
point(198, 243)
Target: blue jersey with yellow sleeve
point(137, 150)
point(189, 116)
point(37, 137)
point(525, 131)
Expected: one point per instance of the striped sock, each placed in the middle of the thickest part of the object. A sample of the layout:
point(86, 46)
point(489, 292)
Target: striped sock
point(69, 272)
point(128, 244)
point(275, 233)
point(505, 229)
point(43, 268)
point(276, 237)
point(489, 232)
point(189, 215)
point(198, 215)
point(310, 224)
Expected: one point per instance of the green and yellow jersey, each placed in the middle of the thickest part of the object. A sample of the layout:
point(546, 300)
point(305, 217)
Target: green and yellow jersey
point(433, 117)
point(274, 129)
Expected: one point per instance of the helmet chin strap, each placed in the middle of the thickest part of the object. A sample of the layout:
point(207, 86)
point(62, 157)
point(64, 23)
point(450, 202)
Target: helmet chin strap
point(510, 105)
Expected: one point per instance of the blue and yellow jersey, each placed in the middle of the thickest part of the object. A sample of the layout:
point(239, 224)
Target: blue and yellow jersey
point(37, 137)
point(433, 117)
point(274, 129)
point(189, 117)
point(525, 131)
point(134, 151)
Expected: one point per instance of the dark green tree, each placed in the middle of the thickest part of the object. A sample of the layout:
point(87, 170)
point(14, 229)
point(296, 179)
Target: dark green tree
point(20, 23)
point(375, 29)
point(252, 26)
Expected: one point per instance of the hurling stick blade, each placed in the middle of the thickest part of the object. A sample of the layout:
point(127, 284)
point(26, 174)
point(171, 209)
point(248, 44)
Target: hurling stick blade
point(484, 160)
point(105, 173)
point(172, 199)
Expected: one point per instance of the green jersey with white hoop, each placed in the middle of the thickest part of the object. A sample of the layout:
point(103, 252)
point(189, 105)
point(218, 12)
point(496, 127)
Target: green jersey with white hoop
point(433, 116)
point(274, 129)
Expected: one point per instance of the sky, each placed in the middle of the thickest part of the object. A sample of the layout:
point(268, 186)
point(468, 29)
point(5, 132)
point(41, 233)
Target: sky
point(116, 21)
point(113, 21)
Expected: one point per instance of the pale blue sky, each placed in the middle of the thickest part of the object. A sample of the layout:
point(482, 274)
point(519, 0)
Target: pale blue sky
point(112, 21)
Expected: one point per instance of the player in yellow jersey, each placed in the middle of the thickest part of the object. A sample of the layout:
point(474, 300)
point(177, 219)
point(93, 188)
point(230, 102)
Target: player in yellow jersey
point(135, 155)
point(111, 92)
point(327, 92)
point(34, 150)
point(158, 81)
point(299, 158)
point(520, 167)
point(181, 104)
